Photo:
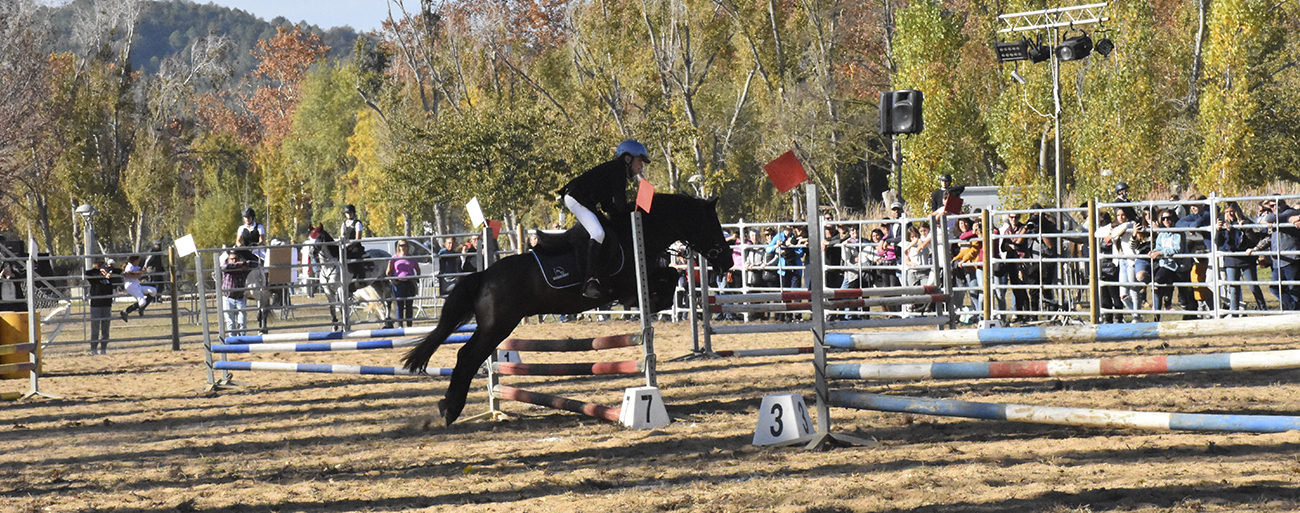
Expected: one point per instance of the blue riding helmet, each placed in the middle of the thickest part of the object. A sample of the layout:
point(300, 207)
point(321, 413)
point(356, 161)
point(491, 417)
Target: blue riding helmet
point(633, 148)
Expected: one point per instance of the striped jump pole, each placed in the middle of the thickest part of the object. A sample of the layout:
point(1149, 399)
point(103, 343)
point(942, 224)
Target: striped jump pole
point(1244, 361)
point(339, 335)
point(804, 327)
point(805, 295)
point(554, 401)
point(1087, 417)
point(504, 368)
point(310, 347)
point(1258, 325)
point(327, 368)
point(778, 351)
point(570, 344)
point(568, 369)
point(830, 305)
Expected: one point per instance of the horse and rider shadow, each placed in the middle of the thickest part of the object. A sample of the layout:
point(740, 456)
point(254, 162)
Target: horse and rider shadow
point(517, 286)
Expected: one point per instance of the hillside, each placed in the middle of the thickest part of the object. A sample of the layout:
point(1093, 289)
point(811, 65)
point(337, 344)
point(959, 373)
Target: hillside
point(168, 27)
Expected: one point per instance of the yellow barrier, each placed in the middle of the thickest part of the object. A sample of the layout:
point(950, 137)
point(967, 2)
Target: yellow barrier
point(13, 331)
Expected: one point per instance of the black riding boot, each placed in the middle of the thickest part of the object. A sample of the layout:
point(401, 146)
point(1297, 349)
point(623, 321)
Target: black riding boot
point(593, 288)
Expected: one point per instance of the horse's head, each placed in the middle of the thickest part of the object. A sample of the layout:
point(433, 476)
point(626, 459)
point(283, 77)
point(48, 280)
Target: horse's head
point(693, 221)
point(318, 235)
point(318, 238)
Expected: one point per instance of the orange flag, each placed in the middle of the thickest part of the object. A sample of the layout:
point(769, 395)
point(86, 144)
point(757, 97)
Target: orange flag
point(496, 227)
point(645, 194)
point(786, 172)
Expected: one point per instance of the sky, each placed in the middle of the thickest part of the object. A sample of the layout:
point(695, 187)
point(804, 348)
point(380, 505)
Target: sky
point(362, 15)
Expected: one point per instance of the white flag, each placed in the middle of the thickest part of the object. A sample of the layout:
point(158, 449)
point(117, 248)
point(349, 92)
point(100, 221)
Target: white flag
point(475, 213)
point(185, 246)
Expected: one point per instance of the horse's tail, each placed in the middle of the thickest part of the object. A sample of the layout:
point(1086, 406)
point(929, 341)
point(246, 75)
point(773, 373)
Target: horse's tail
point(456, 310)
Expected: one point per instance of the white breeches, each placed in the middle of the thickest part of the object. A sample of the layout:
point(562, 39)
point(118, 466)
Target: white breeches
point(586, 218)
point(134, 288)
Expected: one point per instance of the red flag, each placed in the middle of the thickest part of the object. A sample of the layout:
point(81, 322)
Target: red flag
point(645, 194)
point(786, 172)
point(496, 227)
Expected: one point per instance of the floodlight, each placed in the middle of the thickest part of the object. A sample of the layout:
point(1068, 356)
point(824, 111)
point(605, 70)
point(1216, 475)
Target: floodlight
point(1039, 53)
point(1017, 51)
point(1074, 48)
point(1105, 46)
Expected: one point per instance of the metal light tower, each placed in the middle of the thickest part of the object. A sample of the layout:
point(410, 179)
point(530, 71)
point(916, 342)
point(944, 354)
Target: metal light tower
point(88, 213)
point(1053, 20)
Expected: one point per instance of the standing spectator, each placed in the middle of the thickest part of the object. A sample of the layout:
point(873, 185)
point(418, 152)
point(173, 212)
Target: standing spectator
point(1107, 268)
point(754, 256)
point(787, 246)
point(1286, 263)
point(917, 256)
point(883, 258)
point(101, 280)
point(234, 276)
point(144, 294)
point(251, 233)
point(13, 276)
point(407, 273)
point(937, 196)
point(448, 265)
point(833, 255)
point(1044, 245)
point(1198, 243)
point(1121, 236)
point(796, 249)
point(968, 262)
point(896, 228)
point(852, 254)
point(1235, 239)
point(155, 268)
point(771, 260)
point(469, 255)
point(1168, 267)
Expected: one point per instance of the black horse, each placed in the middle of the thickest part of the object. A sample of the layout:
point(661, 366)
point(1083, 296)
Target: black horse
point(514, 288)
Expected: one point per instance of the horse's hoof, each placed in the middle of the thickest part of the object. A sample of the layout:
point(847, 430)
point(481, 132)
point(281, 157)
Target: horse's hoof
point(442, 412)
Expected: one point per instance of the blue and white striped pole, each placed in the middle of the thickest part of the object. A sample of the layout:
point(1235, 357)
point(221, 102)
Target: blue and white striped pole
point(1259, 325)
point(1088, 417)
point(339, 335)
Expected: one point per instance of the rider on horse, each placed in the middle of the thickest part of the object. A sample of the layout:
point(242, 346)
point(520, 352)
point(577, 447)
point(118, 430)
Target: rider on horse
point(250, 234)
point(603, 186)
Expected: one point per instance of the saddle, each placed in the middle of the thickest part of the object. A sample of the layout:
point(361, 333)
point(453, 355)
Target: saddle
point(558, 257)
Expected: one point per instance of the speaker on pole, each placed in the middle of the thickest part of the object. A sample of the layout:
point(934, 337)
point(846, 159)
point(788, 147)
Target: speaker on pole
point(900, 112)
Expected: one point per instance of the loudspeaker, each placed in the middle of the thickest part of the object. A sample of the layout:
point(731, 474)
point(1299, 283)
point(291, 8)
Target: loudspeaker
point(900, 112)
point(886, 105)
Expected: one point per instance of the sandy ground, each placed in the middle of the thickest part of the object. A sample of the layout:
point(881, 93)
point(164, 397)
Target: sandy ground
point(135, 431)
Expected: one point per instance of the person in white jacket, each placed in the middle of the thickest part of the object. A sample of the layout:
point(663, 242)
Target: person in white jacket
point(1121, 235)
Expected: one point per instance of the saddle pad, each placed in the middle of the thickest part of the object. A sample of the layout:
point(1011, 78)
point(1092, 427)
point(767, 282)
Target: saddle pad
point(562, 270)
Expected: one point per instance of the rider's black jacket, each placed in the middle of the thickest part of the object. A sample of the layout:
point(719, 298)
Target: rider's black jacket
point(604, 185)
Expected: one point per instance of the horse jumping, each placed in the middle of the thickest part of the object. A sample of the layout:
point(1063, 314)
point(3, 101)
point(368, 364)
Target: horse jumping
point(500, 296)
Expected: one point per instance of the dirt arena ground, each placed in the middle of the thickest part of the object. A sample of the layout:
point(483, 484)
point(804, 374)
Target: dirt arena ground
point(135, 432)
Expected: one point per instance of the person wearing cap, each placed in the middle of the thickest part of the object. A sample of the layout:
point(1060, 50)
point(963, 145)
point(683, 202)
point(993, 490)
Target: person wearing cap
point(936, 197)
point(603, 189)
point(101, 280)
point(896, 229)
point(251, 233)
point(350, 236)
